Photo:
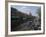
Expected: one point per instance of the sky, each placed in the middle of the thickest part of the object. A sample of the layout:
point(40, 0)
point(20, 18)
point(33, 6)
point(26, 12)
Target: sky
point(27, 9)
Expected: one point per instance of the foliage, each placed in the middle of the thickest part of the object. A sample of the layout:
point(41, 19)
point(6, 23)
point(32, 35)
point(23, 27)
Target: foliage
point(39, 12)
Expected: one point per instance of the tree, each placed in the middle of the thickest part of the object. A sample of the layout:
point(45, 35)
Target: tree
point(39, 20)
point(39, 12)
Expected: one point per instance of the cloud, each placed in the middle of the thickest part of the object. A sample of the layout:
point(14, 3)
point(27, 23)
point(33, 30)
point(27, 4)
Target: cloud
point(23, 7)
